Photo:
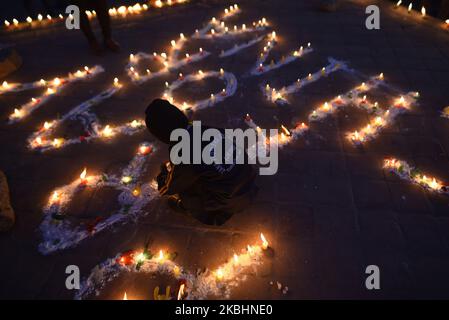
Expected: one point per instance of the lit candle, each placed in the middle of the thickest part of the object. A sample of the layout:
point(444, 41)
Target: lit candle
point(264, 242)
point(17, 113)
point(219, 274)
point(161, 256)
point(285, 130)
point(410, 6)
point(125, 297)
point(83, 177)
point(181, 291)
point(54, 197)
point(57, 143)
point(126, 179)
point(144, 149)
point(107, 131)
point(236, 259)
point(46, 126)
point(423, 11)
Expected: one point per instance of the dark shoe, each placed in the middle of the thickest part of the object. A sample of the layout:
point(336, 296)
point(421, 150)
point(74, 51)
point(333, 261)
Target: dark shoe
point(112, 45)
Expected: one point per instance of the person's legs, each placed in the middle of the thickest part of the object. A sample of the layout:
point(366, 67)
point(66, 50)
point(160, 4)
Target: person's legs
point(86, 28)
point(101, 7)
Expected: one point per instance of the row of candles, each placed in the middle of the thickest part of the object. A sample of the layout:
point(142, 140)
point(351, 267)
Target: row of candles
point(132, 199)
point(41, 139)
point(423, 10)
point(280, 95)
point(261, 68)
point(407, 172)
point(220, 29)
point(284, 136)
point(61, 196)
point(230, 89)
point(52, 87)
point(382, 119)
point(191, 286)
point(170, 61)
point(352, 97)
point(114, 12)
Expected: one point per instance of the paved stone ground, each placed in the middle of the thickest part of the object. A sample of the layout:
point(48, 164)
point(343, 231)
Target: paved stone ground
point(329, 212)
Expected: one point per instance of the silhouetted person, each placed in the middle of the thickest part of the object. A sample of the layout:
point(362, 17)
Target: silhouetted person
point(101, 9)
point(210, 193)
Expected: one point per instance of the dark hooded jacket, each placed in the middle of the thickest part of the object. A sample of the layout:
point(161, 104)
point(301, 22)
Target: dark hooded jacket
point(211, 192)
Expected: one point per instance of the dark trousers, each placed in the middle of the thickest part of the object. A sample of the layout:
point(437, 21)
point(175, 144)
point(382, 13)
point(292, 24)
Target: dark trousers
point(101, 8)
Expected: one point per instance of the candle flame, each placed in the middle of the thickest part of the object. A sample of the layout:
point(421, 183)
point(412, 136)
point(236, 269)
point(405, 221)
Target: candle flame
point(181, 291)
point(83, 174)
point(54, 196)
point(125, 296)
point(219, 274)
point(264, 241)
point(161, 255)
point(423, 11)
point(107, 131)
point(286, 131)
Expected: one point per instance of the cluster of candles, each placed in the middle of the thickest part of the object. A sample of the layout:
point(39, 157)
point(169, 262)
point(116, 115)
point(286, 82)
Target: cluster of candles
point(382, 119)
point(219, 29)
point(61, 196)
point(171, 61)
point(41, 139)
point(280, 95)
point(423, 11)
point(407, 172)
point(230, 89)
point(191, 286)
point(114, 12)
point(134, 196)
point(261, 68)
point(284, 136)
point(52, 87)
point(352, 97)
